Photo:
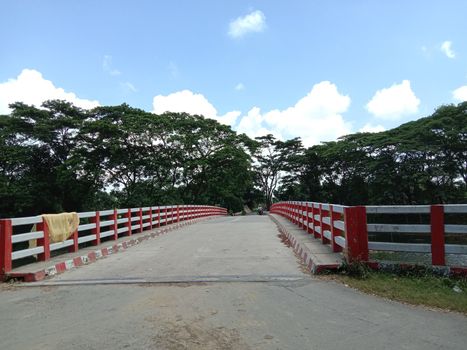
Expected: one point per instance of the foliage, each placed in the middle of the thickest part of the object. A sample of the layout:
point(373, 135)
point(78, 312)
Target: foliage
point(62, 158)
point(59, 158)
point(420, 162)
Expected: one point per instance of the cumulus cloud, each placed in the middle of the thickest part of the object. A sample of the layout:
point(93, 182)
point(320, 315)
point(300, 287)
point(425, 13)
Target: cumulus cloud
point(108, 67)
point(253, 22)
point(189, 102)
point(372, 128)
point(316, 117)
point(460, 94)
point(446, 48)
point(394, 102)
point(31, 88)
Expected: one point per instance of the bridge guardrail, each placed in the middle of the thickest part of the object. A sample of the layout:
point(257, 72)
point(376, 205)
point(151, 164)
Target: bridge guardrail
point(346, 228)
point(95, 226)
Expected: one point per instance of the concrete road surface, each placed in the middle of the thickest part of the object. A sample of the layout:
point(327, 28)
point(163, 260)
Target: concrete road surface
point(227, 283)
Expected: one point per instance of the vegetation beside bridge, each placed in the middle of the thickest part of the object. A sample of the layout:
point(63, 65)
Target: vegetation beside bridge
point(62, 158)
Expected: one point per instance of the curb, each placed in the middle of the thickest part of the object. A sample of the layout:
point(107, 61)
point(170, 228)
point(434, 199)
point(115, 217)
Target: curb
point(95, 255)
point(304, 253)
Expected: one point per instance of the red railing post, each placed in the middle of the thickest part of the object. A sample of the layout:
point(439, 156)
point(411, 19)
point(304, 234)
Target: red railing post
point(140, 213)
point(307, 213)
point(150, 218)
point(74, 248)
point(356, 233)
point(6, 247)
point(128, 224)
point(178, 213)
point(158, 216)
point(323, 226)
point(97, 230)
point(115, 224)
point(437, 235)
point(334, 216)
point(44, 242)
point(301, 215)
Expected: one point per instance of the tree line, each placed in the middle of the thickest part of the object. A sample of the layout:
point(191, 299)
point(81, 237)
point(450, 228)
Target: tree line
point(62, 158)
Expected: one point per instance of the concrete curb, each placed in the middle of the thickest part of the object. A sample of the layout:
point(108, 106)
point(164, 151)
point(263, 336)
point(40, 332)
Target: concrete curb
point(97, 254)
point(308, 258)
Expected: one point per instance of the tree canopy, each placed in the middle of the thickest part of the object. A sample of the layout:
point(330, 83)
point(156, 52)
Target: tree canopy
point(62, 158)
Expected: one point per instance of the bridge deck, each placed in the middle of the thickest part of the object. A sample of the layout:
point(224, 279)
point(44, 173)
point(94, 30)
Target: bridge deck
point(224, 248)
point(242, 289)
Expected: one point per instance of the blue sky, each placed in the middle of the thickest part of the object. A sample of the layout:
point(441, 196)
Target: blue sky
point(315, 69)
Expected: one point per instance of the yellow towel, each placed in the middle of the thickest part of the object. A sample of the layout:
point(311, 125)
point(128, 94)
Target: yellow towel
point(61, 226)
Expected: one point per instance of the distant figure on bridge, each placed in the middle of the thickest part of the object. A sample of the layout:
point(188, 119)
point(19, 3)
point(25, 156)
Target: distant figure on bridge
point(260, 210)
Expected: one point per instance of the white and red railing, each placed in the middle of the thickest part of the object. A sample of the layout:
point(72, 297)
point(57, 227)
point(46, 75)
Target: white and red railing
point(97, 225)
point(346, 228)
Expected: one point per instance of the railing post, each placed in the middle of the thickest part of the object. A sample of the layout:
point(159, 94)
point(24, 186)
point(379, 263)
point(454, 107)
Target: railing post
point(322, 225)
point(115, 224)
point(140, 220)
point(6, 231)
point(301, 220)
point(150, 218)
point(97, 230)
point(74, 248)
point(356, 233)
point(44, 242)
point(128, 224)
point(314, 212)
point(158, 216)
point(437, 235)
point(334, 216)
point(307, 213)
point(178, 213)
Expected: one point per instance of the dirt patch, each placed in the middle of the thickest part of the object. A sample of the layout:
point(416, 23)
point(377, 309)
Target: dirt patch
point(195, 334)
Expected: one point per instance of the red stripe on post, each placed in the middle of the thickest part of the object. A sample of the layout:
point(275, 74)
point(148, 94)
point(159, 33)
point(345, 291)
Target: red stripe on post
point(140, 220)
point(128, 214)
point(6, 231)
point(115, 224)
point(158, 216)
point(97, 230)
point(150, 218)
point(437, 235)
point(74, 248)
point(356, 233)
point(334, 231)
point(44, 242)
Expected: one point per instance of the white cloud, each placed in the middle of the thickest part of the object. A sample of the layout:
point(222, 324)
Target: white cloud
point(128, 86)
point(239, 87)
point(372, 128)
point(189, 102)
point(253, 22)
point(316, 117)
point(447, 50)
point(31, 88)
point(394, 102)
point(107, 66)
point(460, 94)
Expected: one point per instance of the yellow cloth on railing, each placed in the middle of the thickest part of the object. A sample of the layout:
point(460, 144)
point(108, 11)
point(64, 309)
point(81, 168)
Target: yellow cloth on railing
point(61, 226)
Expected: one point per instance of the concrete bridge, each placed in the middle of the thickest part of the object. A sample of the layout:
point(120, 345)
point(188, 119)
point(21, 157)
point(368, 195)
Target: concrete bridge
point(193, 278)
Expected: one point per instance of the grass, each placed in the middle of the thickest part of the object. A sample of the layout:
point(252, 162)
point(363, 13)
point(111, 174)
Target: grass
point(428, 290)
